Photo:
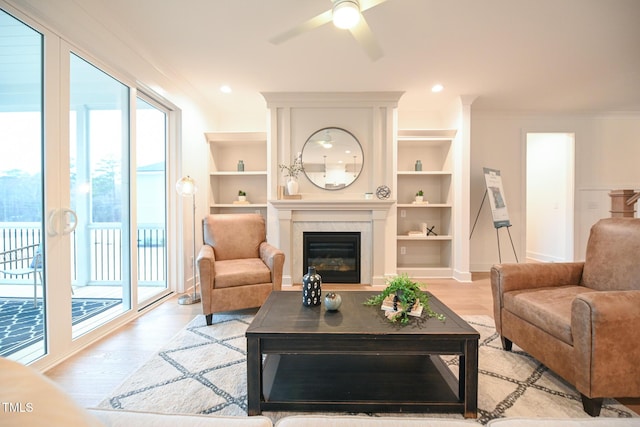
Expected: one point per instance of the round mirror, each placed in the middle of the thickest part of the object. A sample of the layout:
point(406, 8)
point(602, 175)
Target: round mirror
point(332, 158)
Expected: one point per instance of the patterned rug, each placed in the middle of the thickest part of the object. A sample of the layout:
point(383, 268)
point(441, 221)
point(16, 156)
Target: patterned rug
point(22, 324)
point(202, 370)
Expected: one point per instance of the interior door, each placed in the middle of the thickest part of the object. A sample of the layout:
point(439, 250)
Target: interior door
point(550, 200)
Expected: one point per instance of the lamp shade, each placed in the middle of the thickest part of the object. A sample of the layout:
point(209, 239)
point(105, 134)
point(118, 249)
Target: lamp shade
point(186, 186)
point(346, 13)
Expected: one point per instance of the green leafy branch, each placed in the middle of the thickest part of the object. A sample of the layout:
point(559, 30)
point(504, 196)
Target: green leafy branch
point(408, 292)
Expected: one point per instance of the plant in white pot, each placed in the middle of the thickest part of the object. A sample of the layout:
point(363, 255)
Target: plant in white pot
point(420, 196)
point(291, 173)
point(242, 196)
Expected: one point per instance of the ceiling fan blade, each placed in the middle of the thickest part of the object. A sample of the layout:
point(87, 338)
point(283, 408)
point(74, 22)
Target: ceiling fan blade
point(367, 40)
point(315, 22)
point(368, 4)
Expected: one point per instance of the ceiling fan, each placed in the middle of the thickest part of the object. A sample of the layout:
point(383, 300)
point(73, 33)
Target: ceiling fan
point(351, 12)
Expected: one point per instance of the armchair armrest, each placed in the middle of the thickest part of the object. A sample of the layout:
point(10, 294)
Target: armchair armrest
point(605, 339)
point(206, 263)
point(274, 259)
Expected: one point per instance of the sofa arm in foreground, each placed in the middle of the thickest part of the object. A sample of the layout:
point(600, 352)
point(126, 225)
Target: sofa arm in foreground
point(116, 418)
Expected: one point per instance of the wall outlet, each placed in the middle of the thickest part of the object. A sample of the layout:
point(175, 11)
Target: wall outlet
point(403, 213)
point(403, 250)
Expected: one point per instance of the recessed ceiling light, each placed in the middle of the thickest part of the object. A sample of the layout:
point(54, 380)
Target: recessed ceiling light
point(225, 89)
point(437, 88)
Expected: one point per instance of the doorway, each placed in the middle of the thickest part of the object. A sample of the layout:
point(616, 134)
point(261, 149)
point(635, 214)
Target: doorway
point(550, 166)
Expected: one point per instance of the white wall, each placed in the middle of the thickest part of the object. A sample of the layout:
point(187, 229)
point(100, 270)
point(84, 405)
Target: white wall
point(606, 157)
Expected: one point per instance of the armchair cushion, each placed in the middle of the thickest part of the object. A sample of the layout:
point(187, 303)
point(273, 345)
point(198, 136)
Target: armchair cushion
point(547, 308)
point(241, 272)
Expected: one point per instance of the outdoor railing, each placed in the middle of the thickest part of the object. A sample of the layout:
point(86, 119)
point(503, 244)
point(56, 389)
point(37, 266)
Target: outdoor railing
point(106, 252)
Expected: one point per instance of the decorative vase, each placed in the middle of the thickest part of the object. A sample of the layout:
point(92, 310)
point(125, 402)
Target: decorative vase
point(292, 186)
point(311, 288)
point(332, 301)
point(418, 166)
point(240, 166)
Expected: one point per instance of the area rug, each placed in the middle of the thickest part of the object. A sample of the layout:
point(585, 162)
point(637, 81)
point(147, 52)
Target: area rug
point(202, 370)
point(22, 324)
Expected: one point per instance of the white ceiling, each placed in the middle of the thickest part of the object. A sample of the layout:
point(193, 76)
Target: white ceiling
point(533, 55)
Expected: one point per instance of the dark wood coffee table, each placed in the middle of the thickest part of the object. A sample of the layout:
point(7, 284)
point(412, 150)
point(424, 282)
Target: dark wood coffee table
point(354, 360)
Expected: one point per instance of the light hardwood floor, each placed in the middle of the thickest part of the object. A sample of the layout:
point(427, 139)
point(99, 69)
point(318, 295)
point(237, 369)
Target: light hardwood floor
point(93, 373)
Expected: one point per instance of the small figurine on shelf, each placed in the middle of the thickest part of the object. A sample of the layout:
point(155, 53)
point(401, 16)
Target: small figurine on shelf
point(419, 196)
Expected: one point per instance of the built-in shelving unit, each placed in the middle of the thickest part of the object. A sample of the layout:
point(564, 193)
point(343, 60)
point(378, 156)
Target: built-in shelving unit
point(425, 255)
point(226, 149)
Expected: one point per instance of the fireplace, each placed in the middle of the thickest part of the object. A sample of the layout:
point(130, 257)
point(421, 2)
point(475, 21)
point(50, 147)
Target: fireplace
point(336, 255)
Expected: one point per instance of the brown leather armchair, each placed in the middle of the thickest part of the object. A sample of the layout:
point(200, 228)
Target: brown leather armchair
point(237, 267)
point(580, 319)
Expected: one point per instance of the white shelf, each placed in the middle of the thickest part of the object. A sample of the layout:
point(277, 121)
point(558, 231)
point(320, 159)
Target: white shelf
point(427, 272)
point(239, 206)
point(406, 237)
point(235, 173)
point(423, 205)
point(418, 173)
point(423, 135)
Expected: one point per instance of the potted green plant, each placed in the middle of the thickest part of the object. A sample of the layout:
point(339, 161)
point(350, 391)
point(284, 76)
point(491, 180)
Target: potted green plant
point(242, 196)
point(419, 196)
point(401, 299)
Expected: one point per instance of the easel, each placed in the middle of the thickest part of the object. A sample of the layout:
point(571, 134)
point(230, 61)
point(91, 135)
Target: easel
point(498, 226)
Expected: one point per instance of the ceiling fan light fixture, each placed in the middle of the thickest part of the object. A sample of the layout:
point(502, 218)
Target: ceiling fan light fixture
point(346, 13)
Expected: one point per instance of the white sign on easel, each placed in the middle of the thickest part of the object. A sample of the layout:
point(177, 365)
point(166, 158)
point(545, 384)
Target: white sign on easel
point(497, 200)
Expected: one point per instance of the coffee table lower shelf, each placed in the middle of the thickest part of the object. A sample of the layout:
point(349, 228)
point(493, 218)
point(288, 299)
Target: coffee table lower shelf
point(359, 383)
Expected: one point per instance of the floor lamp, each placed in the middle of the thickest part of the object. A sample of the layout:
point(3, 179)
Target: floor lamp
point(186, 187)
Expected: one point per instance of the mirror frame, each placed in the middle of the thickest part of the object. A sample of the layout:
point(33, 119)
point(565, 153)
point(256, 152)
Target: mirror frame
point(313, 139)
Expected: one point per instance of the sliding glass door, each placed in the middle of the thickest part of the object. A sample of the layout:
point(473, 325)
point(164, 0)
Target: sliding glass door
point(83, 196)
point(99, 189)
point(22, 280)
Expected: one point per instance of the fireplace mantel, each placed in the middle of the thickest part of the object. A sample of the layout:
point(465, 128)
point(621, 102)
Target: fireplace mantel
point(331, 204)
point(364, 215)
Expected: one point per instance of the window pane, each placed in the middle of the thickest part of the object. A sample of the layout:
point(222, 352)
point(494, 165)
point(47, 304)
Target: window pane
point(22, 308)
point(99, 184)
point(151, 199)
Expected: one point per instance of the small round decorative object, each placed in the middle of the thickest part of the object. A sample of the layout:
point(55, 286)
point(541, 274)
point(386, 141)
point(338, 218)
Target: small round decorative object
point(332, 301)
point(311, 288)
point(383, 192)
